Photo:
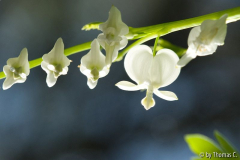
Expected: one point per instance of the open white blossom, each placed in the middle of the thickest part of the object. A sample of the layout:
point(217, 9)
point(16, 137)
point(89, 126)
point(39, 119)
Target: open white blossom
point(113, 37)
point(55, 63)
point(203, 40)
point(93, 65)
point(150, 73)
point(16, 70)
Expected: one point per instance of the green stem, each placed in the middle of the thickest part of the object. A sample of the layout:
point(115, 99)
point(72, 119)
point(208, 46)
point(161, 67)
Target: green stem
point(155, 46)
point(140, 41)
point(233, 15)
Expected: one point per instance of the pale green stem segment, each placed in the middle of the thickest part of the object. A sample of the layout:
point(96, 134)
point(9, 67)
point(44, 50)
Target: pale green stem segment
point(155, 46)
point(148, 32)
point(180, 51)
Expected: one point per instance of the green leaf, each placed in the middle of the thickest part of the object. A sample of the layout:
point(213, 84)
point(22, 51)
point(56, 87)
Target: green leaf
point(224, 143)
point(199, 143)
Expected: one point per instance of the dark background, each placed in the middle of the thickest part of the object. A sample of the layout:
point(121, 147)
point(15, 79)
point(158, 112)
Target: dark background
point(71, 122)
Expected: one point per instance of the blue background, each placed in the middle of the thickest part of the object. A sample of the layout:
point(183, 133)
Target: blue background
point(71, 122)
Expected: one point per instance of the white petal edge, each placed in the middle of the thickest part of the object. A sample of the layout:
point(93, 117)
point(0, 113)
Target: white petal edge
point(127, 86)
point(167, 95)
point(51, 80)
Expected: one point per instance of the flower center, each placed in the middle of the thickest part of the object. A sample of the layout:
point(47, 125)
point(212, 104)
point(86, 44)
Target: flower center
point(207, 38)
point(57, 69)
point(17, 72)
point(95, 74)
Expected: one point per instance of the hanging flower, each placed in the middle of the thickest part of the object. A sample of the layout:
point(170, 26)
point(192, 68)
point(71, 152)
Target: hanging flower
point(150, 73)
point(203, 40)
point(93, 65)
point(113, 37)
point(16, 70)
point(55, 63)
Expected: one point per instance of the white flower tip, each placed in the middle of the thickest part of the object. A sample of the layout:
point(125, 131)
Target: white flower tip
point(91, 84)
point(127, 86)
point(224, 17)
point(5, 87)
point(59, 40)
point(148, 102)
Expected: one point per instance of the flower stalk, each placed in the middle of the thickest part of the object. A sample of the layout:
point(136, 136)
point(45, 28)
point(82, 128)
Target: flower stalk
point(147, 33)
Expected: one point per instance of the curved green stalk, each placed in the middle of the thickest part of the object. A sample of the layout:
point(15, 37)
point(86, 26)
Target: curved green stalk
point(155, 46)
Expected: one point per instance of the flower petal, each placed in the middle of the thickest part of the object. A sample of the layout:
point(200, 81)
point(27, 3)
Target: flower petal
point(103, 72)
point(167, 95)
point(137, 63)
point(194, 33)
point(163, 70)
point(148, 102)
point(123, 42)
point(94, 58)
point(222, 30)
point(91, 84)
point(44, 66)
point(115, 20)
point(127, 86)
point(111, 54)
point(56, 55)
point(51, 80)
point(186, 58)
point(9, 81)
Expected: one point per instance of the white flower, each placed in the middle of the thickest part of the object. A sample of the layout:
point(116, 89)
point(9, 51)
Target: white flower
point(150, 73)
point(16, 70)
point(113, 37)
point(55, 63)
point(93, 65)
point(203, 40)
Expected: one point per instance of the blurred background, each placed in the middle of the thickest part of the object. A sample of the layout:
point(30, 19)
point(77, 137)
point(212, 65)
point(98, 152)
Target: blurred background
point(71, 122)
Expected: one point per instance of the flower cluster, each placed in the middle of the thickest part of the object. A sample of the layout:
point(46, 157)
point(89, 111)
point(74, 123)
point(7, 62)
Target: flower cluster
point(94, 64)
point(149, 71)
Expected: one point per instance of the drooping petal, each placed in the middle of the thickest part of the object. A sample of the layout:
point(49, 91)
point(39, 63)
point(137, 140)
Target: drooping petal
point(148, 102)
point(114, 20)
point(186, 58)
point(103, 72)
point(167, 95)
point(111, 54)
point(91, 84)
point(137, 63)
point(163, 70)
point(44, 66)
point(51, 79)
point(127, 86)
point(123, 42)
point(10, 80)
